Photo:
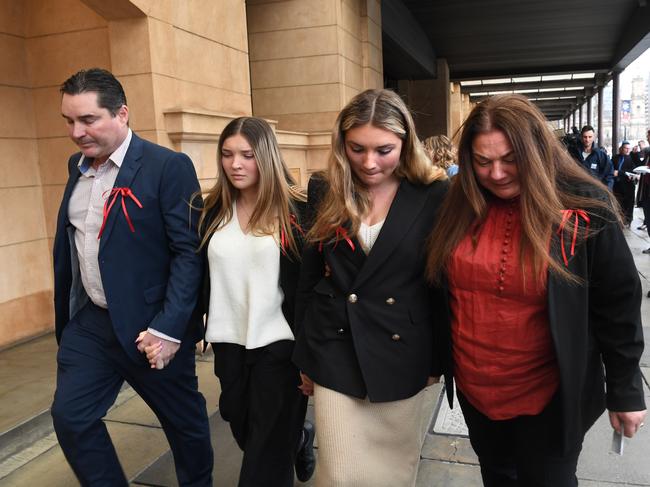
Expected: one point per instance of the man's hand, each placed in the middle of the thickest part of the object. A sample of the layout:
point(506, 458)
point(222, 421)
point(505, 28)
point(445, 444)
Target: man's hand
point(159, 351)
point(627, 423)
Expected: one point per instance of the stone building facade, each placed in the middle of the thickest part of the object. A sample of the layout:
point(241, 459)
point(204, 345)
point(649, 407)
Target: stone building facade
point(188, 67)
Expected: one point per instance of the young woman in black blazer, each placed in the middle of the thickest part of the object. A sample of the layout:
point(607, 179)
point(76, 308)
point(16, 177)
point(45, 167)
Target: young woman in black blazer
point(252, 237)
point(364, 316)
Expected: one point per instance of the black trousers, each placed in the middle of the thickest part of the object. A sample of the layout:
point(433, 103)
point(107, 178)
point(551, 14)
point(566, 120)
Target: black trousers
point(624, 193)
point(261, 401)
point(92, 367)
point(523, 451)
point(645, 204)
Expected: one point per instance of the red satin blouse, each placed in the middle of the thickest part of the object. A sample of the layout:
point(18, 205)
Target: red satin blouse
point(502, 347)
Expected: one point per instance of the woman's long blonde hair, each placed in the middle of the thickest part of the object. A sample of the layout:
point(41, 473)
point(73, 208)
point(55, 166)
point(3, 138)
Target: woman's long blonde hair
point(549, 178)
point(440, 150)
point(275, 206)
point(347, 199)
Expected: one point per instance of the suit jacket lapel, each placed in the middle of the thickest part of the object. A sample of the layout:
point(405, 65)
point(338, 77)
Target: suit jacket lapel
point(130, 166)
point(406, 207)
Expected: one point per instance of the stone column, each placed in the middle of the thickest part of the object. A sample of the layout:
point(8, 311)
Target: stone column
point(600, 116)
point(430, 102)
point(310, 57)
point(616, 110)
point(456, 99)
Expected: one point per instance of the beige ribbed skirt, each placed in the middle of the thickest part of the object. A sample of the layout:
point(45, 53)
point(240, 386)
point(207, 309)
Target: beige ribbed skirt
point(365, 444)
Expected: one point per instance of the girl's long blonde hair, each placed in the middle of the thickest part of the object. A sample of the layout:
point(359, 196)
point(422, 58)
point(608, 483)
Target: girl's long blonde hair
point(276, 196)
point(347, 199)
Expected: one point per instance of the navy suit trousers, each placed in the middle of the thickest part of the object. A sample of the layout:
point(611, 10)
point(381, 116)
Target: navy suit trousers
point(92, 367)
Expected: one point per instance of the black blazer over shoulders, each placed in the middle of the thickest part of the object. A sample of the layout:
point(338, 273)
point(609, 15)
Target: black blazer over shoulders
point(366, 328)
point(289, 269)
point(595, 326)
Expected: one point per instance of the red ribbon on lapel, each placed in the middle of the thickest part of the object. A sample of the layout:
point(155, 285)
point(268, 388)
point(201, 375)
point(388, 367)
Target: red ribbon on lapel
point(108, 204)
point(283, 235)
point(566, 216)
point(341, 234)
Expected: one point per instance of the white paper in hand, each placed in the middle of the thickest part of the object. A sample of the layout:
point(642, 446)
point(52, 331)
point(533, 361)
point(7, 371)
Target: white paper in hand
point(618, 442)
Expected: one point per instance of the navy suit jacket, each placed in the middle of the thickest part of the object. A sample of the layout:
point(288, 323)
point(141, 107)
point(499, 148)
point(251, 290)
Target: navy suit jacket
point(151, 277)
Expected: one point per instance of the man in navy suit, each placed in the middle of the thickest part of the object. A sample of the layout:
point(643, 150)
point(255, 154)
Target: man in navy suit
point(126, 277)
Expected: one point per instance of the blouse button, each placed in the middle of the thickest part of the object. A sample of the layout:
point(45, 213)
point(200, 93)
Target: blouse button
point(340, 331)
point(396, 337)
point(505, 250)
point(500, 288)
point(352, 298)
point(390, 301)
point(503, 259)
point(506, 241)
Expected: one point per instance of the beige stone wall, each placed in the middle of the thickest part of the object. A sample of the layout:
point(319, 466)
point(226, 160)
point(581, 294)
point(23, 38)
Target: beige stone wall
point(186, 69)
point(40, 44)
point(309, 57)
point(194, 57)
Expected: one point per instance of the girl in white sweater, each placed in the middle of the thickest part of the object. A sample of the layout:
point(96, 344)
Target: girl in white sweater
point(252, 238)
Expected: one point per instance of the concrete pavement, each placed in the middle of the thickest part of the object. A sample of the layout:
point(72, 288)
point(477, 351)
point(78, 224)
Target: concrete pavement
point(30, 455)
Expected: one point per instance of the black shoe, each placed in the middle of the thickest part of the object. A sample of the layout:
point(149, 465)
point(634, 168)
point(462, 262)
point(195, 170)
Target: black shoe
point(305, 459)
point(646, 251)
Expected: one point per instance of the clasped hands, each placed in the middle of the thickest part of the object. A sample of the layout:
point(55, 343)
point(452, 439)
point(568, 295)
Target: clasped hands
point(159, 351)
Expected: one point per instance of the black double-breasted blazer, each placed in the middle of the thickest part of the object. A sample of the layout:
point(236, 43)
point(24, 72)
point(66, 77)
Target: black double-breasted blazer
point(365, 327)
point(595, 327)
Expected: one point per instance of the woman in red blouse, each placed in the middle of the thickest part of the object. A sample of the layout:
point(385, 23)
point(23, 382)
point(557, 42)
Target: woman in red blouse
point(542, 291)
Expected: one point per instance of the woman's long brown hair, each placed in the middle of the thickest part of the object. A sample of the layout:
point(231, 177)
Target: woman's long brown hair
point(347, 199)
point(277, 189)
point(548, 179)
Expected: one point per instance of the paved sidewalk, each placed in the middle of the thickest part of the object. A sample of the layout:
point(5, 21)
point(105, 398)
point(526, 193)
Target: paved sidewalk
point(30, 455)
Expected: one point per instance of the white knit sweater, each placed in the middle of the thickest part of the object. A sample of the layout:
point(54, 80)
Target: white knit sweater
point(245, 293)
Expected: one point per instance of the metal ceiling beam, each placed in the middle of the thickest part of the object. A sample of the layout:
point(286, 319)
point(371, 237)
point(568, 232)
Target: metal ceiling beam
point(530, 85)
point(406, 35)
point(567, 101)
point(635, 38)
point(575, 95)
point(459, 74)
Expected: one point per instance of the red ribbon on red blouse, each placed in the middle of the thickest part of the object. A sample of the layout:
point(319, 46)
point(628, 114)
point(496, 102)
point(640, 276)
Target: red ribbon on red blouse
point(566, 216)
point(283, 235)
point(108, 204)
point(341, 234)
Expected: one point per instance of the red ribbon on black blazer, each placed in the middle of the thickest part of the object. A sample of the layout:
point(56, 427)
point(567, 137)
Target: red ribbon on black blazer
point(566, 216)
point(283, 234)
point(108, 204)
point(341, 234)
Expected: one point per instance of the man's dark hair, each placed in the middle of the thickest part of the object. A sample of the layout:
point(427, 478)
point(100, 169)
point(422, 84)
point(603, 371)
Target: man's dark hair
point(110, 94)
point(586, 128)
